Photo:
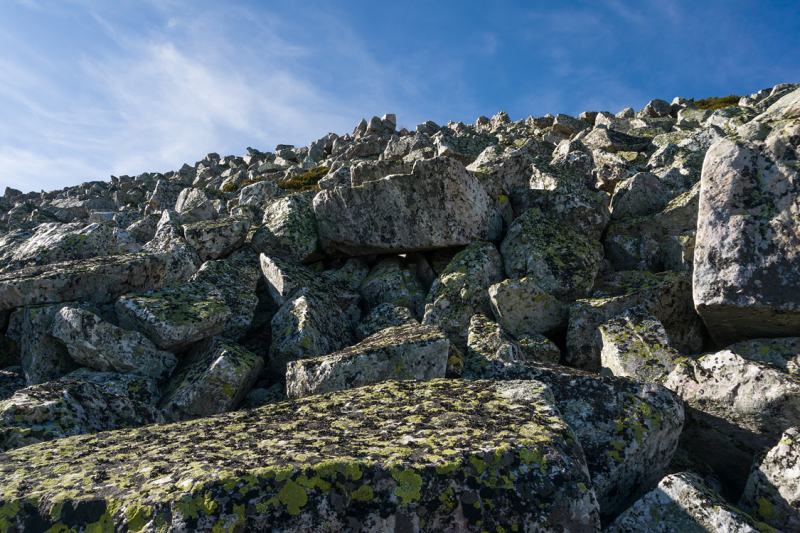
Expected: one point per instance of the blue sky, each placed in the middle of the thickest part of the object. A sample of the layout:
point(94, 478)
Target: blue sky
point(93, 88)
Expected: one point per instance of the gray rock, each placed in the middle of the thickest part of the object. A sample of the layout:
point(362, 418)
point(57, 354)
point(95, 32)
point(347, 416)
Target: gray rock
point(521, 307)
point(258, 193)
point(181, 260)
point(43, 357)
point(461, 290)
point(97, 344)
point(212, 239)
point(538, 348)
point(609, 140)
point(285, 279)
point(383, 316)
point(568, 125)
point(440, 204)
point(404, 352)
point(365, 171)
point(132, 386)
point(464, 146)
point(213, 378)
point(682, 502)
point(389, 282)
point(289, 230)
point(745, 253)
point(561, 261)
point(175, 316)
point(772, 493)
point(783, 353)
point(667, 296)
point(642, 194)
point(10, 382)
point(657, 108)
point(144, 229)
point(197, 204)
point(735, 408)
point(487, 345)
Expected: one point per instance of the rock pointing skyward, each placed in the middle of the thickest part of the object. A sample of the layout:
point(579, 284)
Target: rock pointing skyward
point(560, 324)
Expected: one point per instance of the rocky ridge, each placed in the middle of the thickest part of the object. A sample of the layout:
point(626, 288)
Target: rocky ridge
point(559, 324)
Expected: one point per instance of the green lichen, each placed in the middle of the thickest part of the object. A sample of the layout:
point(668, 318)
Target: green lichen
point(306, 181)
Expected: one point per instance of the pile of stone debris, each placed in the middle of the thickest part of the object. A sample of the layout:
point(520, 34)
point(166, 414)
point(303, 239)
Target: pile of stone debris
point(556, 324)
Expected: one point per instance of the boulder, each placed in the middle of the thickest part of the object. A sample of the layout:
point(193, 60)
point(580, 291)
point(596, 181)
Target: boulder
point(538, 348)
point(464, 147)
point(289, 230)
point(735, 408)
point(611, 141)
point(389, 282)
point(365, 171)
point(212, 378)
point(257, 193)
point(461, 290)
point(440, 204)
point(568, 125)
point(783, 353)
point(745, 276)
point(772, 493)
point(10, 382)
point(102, 346)
point(98, 280)
point(175, 316)
point(521, 307)
point(642, 194)
point(666, 295)
point(212, 239)
point(682, 502)
point(197, 204)
point(488, 343)
point(405, 352)
point(636, 345)
point(63, 408)
point(43, 357)
point(383, 316)
point(132, 386)
point(180, 258)
point(285, 279)
point(561, 261)
point(437, 455)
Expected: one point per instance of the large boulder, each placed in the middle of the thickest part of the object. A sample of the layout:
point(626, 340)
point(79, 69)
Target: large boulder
point(43, 357)
point(97, 344)
point(735, 408)
point(404, 352)
point(389, 282)
point(488, 344)
point(784, 353)
point(383, 316)
point(10, 382)
point(682, 502)
point(439, 204)
point(402, 456)
point(98, 280)
point(461, 290)
point(745, 276)
point(286, 278)
point(212, 239)
point(521, 307)
point(289, 230)
point(181, 259)
point(132, 386)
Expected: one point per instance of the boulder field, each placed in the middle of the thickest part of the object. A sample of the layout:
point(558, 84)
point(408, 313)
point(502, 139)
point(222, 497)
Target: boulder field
point(560, 324)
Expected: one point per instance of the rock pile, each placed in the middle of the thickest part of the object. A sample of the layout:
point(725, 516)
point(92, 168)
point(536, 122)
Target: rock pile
point(559, 324)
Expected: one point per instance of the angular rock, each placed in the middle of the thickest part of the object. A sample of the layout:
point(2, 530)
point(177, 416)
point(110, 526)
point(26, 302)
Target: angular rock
point(213, 239)
point(289, 230)
point(665, 295)
point(772, 493)
point(92, 280)
point(636, 345)
point(132, 386)
point(538, 348)
point(365, 171)
point(285, 278)
point(611, 141)
point(97, 344)
point(747, 200)
point(213, 378)
point(10, 382)
point(389, 282)
point(390, 460)
point(381, 317)
point(735, 408)
point(440, 204)
point(181, 260)
point(682, 502)
point(463, 147)
point(521, 307)
point(568, 125)
point(175, 316)
point(196, 204)
point(642, 194)
point(783, 353)
point(258, 193)
point(306, 326)
point(561, 261)
point(43, 357)
point(461, 290)
point(488, 343)
point(657, 108)
point(404, 352)
point(63, 408)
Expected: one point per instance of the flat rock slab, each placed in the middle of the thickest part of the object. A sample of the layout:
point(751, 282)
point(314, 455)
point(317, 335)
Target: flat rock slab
point(404, 352)
point(746, 281)
point(212, 239)
point(402, 456)
point(97, 280)
point(177, 315)
point(681, 502)
point(236, 279)
point(440, 204)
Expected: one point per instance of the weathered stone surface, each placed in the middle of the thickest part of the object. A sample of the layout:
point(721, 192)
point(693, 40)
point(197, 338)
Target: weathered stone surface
point(381, 317)
point(64, 408)
point(561, 261)
point(365, 171)
point(568, 125)
point(181, 260)
point(538, 348)
point(783, 353)
point(745, 275)
point(681, 502)
point(213, 378)
point(285, 278)
point(94, 280)
point(196, 203)
point(612, 141)
point(308, 325)
point(735, 408)
point(440, 204)
point(389, 461)
point(463, 147)
point(389, 282)
point(289, 230)
point(236, 280)
point(175, 316)
point(258, 193)
point(641, 194)
point(666, 295)
point(97, 344)
point(132, 386)
point(404, 352)
point(488, 343)
point(521, 307)
point(10, 382)
point(216, 238)
point(461, 290)
point(9, 351)
point(43, 357)
point(636, 345)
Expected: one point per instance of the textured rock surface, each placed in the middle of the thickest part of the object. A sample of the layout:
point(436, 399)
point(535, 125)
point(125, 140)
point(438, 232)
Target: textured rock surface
point(681, 502)
point(521, 307)
point(381, 317)
point(43, 357)
point(389, 282)
point(216, 238)
point(288, 230)
point(386, 462)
